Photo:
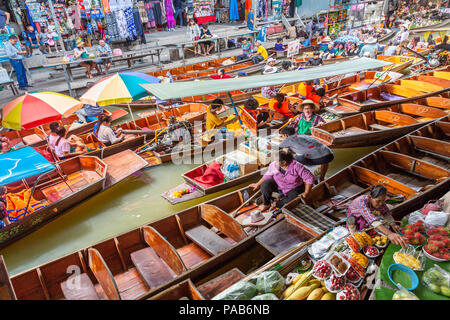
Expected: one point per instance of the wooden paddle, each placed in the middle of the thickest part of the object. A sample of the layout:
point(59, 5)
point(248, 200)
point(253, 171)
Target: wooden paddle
point(236, 213)
point(347, 199)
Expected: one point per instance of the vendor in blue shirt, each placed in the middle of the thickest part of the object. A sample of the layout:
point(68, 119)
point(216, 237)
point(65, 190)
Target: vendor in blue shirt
point(16, 57)
point(88, 111)
point(31, 40)
point(329, 52)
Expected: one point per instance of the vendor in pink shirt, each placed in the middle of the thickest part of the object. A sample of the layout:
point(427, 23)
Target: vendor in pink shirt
point(287, 177)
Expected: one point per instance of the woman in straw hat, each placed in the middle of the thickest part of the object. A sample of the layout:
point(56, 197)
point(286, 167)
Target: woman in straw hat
point(80, 52)
point(308, 117)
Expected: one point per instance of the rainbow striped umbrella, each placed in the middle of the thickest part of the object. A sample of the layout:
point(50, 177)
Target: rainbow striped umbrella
point(35, 109)
point(119, 88)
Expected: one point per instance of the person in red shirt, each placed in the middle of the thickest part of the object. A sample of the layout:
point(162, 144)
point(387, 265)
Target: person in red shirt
point(221, 75)
point(281, 106)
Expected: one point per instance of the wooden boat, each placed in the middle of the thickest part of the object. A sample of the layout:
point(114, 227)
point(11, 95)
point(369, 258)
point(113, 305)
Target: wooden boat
point(384, 95)
point(430, 28)
point(415, 167)
point(35, 137)
point(148, 259)
point(380, 126)
point(300, 62)
point(63, 187)
point(400, 62)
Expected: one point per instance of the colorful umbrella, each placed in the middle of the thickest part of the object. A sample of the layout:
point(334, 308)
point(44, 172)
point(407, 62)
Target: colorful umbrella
point(120, 88)
point(35, 109)
point(345, 39)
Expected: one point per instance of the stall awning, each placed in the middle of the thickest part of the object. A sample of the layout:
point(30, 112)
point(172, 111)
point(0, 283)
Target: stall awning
point(21, 164)
point(183, 89)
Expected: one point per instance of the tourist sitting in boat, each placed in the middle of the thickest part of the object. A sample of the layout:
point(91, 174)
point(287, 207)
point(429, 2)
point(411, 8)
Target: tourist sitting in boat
point(5, 145)
point(247, 48)
point(370, 47)
point(416, 44)
point(315, 61)
point(221, 74)
point(279, 46)
point(351, 50)
point(392, 48)
point(268, 92)
point(287, 177)
point(62, 146)
point(270, 68)
point(88, 111)
point(286, 65)
point(308, 151)
point(281, 106)
point(306, 90)
point(262, 117)
point(340, 50)
point(206, 46)
point(308, 118)
point(52, 137)
point(369, 210)
point(402, 35)
point(260, 54)
point(212, 119)
point(329, 52)
point(106, 134)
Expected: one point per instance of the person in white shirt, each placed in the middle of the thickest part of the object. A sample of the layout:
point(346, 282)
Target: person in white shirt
point(62, 146)
point(106, 134)
point(193, 31)
point(52, 137)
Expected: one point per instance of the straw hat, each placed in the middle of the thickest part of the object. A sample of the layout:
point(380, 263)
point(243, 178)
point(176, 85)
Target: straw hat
point(270, 70)
point(257, 218)
point(326, 40)
point(370, 40)
point(80, 43)
point(310, 102)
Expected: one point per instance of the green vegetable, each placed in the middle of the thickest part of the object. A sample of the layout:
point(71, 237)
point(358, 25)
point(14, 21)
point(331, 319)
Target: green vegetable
point(241, 290)
point(270, 282)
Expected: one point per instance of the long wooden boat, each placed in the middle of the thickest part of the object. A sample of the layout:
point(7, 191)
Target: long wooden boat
point(300, 62)
point(155, 256)
point(400, 62)
point(415, 167)
point(382, 125)
point(430, 28)
point(63, 187)
point(35, 137)
point(384, 95)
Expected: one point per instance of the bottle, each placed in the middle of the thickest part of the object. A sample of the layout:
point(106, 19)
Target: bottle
point(245, 196)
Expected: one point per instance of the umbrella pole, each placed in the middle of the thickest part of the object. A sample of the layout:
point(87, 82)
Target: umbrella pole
point(132, 116)
point(234, 107)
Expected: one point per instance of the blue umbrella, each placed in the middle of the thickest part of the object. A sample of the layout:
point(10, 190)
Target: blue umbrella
point(345, 39)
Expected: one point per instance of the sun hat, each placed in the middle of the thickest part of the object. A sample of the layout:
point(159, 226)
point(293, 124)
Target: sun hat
point(270, 70)
point(271, 60)
point(310, 102)
point(80, 43)
point(326, 40)
point(370, 40)
point(257, 218)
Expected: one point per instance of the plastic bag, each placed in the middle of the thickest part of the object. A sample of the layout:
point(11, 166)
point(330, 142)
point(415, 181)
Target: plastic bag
point(403, 294)
point(270, 282)
point(266, 296)
point(410, 258)
point(241, 290)
point(436, 219)
point(437, 280)
point(416, 216)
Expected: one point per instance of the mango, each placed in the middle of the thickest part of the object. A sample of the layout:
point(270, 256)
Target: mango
point(315, 286)
point(288, 291)
point(300, 294)
point(316, 294)
point(325, 290)
point(445, 291)
point(322, 283)
point(313, 281)
point(328, 296)
point(298, 278)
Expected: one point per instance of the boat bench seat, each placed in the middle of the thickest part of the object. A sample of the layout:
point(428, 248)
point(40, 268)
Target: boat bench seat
point(32, 138)
point(84, 291)
point(208, 240)
point(151, 267)
point(377, 126)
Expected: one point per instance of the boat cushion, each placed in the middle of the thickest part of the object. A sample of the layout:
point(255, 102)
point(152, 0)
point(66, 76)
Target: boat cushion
point(85, 290)
point(208, 240)
point(151, 267)
point(31, 139)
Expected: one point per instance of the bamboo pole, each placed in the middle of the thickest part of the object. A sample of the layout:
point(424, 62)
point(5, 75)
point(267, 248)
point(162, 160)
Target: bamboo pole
point(236, 213)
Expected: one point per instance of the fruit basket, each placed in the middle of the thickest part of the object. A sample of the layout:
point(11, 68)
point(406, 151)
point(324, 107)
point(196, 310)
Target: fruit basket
point(335, 284)
point(350, 292)
point(371, 252)
point(353, 244)
point(338, 264)
point(322, 270)
point(431, 257)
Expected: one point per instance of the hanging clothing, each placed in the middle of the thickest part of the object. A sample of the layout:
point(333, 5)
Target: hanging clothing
point(142, 12)
point(111, 25)
point(169, 14)
point(292, 8)
point(260, 8)
point(137, 22)
point(122, 24)
point(132, 33)
point(150, 15)
point(77, 18)
point(248, 7)
point(234, 13)
point(105, 4)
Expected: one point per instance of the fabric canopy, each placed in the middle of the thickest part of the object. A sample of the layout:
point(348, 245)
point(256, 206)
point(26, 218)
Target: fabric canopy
point(21, 164)
point(193, 88)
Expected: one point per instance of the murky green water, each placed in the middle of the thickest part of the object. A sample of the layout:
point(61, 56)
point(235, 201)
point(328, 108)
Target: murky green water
point(129, 204)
